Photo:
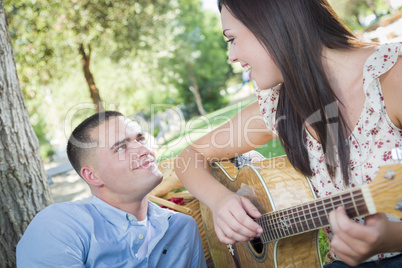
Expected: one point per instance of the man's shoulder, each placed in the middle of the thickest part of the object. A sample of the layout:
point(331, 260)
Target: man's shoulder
point(58, 228)
point(79, 205)
point(64, 212)
point(184, 221)
point(182, 217)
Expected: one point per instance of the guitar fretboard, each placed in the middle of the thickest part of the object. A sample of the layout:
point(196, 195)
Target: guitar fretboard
point(310, 216)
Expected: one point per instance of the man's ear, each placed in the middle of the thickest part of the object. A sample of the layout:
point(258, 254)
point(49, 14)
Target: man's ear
point(88, 173)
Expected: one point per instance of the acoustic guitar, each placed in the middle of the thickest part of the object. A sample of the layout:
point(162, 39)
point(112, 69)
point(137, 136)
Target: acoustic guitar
point(292, 215)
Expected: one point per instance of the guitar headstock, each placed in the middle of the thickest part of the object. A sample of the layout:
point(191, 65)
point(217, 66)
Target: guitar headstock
point(386, 190)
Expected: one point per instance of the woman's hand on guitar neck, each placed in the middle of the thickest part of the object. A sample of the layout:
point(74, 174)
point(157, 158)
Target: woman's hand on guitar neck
point(232, 221)
point(354, 243)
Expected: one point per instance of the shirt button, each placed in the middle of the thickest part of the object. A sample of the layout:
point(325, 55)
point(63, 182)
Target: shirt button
point(140, 236)
point(130, 218)
point(124, 228)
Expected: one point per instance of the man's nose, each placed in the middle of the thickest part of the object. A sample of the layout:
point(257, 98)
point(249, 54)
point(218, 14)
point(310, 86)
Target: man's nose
point(138, 149)
point(137, 145)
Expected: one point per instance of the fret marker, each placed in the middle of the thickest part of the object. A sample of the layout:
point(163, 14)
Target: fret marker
point(285, 223)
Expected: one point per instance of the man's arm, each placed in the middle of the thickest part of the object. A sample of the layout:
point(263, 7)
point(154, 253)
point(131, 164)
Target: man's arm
point(51, 240)
point(198, 251)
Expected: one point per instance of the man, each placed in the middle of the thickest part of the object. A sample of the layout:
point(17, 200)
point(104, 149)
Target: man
point(117, 226)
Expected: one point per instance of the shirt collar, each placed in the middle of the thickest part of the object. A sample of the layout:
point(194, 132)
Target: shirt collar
point(121, 218)
point(113, 215)
point(155, 211)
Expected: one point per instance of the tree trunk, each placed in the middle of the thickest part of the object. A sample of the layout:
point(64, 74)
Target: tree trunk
point(86, 60)
point(23, 185)
point(196, 92)
point(356, 15)
point(371, 5)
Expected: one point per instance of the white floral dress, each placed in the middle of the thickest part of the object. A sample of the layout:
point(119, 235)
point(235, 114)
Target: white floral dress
point(371, 141)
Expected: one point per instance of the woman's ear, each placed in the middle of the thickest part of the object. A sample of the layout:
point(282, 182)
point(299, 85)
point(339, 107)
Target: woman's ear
point(89, 175)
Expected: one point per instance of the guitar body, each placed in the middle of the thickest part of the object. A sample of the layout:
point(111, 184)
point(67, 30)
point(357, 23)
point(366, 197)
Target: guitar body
point(271, 185)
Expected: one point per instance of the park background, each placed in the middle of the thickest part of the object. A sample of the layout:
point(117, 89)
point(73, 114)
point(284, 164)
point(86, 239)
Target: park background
point(162, 62)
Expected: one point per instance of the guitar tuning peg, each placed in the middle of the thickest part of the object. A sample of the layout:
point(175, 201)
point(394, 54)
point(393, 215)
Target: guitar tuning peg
point(390, 174)
point(397, 154)
point(399, 206)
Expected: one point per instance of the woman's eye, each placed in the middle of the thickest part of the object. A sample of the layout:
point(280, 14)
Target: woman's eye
point(142, 140)
point(121, 147)
point(230, 41)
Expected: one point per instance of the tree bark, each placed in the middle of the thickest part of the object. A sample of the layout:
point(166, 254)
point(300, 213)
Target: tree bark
point(93, 90)
point(24, 190)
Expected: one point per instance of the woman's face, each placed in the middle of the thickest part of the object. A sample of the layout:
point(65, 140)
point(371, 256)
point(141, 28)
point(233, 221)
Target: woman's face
point(249, 52)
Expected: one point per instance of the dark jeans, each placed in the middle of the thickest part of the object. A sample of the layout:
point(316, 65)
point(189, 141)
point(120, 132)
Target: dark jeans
point(393, 262)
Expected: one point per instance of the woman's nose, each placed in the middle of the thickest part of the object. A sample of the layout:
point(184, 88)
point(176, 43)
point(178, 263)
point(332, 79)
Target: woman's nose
point(232, 57)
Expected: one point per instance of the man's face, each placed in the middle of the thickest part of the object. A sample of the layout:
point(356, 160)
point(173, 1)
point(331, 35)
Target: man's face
point(122, 161)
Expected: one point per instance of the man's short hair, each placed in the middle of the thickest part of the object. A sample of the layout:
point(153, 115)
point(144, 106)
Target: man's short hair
point(80, 142)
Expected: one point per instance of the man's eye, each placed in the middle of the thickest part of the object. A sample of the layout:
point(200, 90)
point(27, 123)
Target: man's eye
point(121, 147)
point(142, 139)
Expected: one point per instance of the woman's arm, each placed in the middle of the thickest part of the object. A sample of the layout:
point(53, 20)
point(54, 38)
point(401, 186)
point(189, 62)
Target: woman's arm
point(246, 131)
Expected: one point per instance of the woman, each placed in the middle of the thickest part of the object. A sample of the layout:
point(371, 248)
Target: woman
point(323, 93)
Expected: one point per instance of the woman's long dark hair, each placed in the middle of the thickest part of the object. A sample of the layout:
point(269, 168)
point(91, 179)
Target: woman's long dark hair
point(294, 33)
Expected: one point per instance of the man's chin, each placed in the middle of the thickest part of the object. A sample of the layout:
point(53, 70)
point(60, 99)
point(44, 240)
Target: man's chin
point(158, 177)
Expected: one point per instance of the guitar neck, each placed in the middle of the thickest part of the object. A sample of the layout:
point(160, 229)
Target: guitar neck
point(314, 214)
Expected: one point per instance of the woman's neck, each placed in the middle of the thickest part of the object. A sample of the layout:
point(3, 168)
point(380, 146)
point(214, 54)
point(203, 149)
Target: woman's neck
point(344, 70)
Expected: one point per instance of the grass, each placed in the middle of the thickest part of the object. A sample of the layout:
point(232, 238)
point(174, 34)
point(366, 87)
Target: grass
point(199, 126)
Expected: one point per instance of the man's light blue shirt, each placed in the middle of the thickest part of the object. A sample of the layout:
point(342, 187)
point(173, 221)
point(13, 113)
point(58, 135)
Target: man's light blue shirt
point(92, 233)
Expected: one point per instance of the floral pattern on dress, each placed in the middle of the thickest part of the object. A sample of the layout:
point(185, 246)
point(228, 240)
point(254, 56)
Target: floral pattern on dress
point(371, 141)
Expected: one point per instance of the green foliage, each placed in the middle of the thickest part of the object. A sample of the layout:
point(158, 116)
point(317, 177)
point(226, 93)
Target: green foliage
point(353, 11)
point(40, 128)
point(324, 247)
point(144, 52)
point(199, 58)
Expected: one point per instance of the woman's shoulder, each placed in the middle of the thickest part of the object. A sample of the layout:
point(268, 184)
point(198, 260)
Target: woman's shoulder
point(382, 57)
point(391, 85)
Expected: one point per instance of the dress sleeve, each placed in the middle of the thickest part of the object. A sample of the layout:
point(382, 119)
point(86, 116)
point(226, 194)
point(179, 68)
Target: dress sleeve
point(268, 102)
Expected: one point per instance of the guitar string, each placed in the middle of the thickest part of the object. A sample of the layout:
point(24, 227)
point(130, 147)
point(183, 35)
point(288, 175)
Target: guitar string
point(310, 209)
point(277, 220)
point(302, 208)
point(303, 220)
point(323, 202)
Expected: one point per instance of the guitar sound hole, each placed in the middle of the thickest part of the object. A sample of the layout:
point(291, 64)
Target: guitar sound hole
point(257, 245)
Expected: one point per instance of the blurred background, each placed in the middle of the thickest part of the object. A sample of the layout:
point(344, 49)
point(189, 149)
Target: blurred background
point(149, 59)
